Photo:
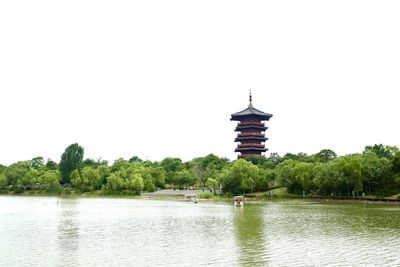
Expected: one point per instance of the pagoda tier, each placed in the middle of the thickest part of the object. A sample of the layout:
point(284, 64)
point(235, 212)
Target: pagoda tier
point(253, 148)
point(250, 139)
point(251, 136)
point(250, 128)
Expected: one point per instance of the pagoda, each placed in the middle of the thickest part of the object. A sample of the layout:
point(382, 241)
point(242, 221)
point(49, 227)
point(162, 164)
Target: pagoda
point(251, 136)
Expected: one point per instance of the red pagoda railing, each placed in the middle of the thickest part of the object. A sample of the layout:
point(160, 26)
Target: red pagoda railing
point(251, 145)
point(244, 155)
point(248, 123)
point(250, 135)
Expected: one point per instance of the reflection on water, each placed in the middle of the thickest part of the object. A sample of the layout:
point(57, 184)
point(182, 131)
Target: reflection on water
point(67, 233)
point(249, 232)
point(46, 231)
point(338, 235)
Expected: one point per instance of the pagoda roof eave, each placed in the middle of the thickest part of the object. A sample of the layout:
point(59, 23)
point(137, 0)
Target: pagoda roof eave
point(250, 112)
point(237, 139)
point(251, 149)
point(261, 128)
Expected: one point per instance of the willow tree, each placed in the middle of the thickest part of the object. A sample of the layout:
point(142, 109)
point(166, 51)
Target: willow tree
point(71, 160)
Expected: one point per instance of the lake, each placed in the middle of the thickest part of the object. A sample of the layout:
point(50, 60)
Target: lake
point(51, 231)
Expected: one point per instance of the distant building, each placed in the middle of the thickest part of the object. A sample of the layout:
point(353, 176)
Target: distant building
point(251, 136)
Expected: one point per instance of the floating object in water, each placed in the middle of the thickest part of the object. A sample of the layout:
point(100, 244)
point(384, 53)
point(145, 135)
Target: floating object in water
point(191, 197)
point(238, 200)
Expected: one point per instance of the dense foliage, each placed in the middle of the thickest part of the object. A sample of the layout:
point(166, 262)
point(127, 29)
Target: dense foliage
point(70, 160)
point(375, 171)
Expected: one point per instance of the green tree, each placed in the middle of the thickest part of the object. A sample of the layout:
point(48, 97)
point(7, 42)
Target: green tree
point(298, 157)
point(135, 159)
point(212, 183)
point(120, 164)
point(211, 171)
point(396, 178)
point(2, 168)
point(242, 176)
point(115, 182)
point(326, 178)
point(396, 162)
point(304, 175)
point(296, 176)
point(184, 178)
point(3, 180)
point(228, 182)
point(286, 176)
point(149, 185)
point(275, 159)
point(16, 171)
point(71, 160)
point(93, 177)
point(259, 161)
point(29, 178)
point(135, 183)
point(171, 165)
point(156, 175)
point(325, 155)
point(267, 176)
point(248, 184)
point(51, 165)
point(376, 171)
point(78, 181)
point(51, 178)
point(104, 172)
point(382, 151)
point(199, 171)
point(211, 159)
point(37, 162)
point(351, 166)
point(90, 163)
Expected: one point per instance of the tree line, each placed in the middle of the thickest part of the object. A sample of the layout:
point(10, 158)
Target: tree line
point(374, 171)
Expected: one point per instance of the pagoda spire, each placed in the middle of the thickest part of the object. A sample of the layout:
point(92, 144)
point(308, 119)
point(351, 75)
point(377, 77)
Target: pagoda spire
point(250, 99)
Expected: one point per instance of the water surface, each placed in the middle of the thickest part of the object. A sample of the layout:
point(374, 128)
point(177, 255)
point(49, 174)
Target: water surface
point(50, 231)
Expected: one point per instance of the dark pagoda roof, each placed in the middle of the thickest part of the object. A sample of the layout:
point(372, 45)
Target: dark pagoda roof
point(241, 128)
point(250, 112)
point(239, 149)
point(240, 139)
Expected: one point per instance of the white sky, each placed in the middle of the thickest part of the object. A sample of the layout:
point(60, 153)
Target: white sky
point(161, 78)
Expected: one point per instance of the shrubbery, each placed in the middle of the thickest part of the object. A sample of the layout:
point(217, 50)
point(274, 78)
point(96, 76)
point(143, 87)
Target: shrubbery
point(375, 171)
point(205, 195)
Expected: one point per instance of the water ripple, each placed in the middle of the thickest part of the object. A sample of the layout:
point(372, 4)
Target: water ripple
point(44, 231)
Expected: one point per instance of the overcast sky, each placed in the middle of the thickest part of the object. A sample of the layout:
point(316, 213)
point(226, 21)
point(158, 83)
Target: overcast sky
point(161, 78)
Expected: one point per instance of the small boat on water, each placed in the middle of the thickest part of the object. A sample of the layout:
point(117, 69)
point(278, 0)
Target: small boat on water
point(191, 197)
point(238, 200)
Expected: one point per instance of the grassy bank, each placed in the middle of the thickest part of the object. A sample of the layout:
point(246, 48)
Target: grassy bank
point(279, 195)
point(68, 192)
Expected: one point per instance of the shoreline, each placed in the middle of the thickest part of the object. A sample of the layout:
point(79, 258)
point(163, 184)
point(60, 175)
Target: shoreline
point(219, 199)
